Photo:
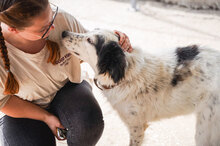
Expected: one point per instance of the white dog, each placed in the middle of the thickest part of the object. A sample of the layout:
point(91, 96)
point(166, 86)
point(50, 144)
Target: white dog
point(145, 88)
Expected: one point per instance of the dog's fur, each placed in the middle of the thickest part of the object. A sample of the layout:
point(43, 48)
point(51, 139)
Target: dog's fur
point(146, 88)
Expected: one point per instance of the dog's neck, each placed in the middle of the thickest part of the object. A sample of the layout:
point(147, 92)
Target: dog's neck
point(140, 67)
point(104, 82)
point(103, 87)
point(133, 62)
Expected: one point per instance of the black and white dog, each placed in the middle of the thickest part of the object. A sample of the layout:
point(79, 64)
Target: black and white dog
point(145, 88)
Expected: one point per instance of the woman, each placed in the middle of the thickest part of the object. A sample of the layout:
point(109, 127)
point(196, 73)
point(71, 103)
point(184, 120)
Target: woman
point(40, 83)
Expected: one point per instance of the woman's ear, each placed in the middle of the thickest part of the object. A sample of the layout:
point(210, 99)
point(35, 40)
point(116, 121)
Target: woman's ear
point(12, 29)
point(111, 60)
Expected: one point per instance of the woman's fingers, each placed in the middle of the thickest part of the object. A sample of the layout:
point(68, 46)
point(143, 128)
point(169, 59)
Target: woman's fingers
point(60, 126)
point(124, 41)
point(126, 44)
point(53, 122)
point(61, 133)
point(122, 37)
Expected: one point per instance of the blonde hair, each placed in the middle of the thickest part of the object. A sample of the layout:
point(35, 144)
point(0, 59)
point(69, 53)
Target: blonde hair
point(17, 14)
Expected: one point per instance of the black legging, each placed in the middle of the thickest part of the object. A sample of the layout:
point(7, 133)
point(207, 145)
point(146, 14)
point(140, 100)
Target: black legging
point(77, 110)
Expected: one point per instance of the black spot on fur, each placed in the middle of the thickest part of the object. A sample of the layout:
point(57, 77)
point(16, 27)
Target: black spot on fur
point(111, 59)
point(201, 71)
point(133, 113)
point(77, 36)
point(184, 56)
point(156, 88)
point(187, 53)
point(174, 81)
point(215, 100)
point(70, 40)
point(180, 76)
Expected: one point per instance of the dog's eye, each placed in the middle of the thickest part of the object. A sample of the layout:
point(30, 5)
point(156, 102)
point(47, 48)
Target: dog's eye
point(89, 40)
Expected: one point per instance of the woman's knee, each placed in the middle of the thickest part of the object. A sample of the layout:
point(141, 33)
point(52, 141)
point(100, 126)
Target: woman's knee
point(85, 125)
point(86, 129)
point(80, 113)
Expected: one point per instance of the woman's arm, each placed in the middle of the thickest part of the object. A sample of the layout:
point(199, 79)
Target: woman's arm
point(19, 108)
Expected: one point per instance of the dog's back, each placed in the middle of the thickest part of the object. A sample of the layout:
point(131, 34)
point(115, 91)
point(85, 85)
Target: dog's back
point(173, 85)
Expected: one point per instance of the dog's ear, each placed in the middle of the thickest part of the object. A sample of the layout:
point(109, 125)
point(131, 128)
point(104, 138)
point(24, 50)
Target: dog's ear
point(111, 60)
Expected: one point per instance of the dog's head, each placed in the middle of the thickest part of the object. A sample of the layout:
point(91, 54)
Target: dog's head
point(100, 49)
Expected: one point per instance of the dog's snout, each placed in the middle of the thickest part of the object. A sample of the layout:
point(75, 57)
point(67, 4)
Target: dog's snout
point(64, 34)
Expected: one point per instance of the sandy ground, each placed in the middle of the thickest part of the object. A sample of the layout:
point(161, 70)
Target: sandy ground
point(156, 28)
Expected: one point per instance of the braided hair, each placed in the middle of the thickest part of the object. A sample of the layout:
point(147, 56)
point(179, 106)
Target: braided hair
point(17, 14)
point(11, 84)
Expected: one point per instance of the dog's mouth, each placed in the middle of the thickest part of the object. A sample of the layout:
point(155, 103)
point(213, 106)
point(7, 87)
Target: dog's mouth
point(76, 53)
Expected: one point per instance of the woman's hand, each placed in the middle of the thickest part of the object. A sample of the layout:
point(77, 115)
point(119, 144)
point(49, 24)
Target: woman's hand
point(124, 41)
point(19, 108)
point(53, 122)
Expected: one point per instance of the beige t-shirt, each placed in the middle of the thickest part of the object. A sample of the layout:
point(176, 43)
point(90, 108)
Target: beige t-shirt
point(38, 80)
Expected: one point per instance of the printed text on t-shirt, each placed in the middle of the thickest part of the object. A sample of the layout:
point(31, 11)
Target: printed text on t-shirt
point(64, 60)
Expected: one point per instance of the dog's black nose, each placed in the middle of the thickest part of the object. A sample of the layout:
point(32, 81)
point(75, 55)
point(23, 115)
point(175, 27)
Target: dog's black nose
point(64, 34)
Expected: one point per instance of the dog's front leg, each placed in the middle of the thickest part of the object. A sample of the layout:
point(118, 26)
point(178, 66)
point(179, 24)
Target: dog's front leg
point(137, 134)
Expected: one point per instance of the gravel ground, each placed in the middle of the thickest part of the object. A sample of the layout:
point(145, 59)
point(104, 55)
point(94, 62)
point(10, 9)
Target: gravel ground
point(156, 28)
